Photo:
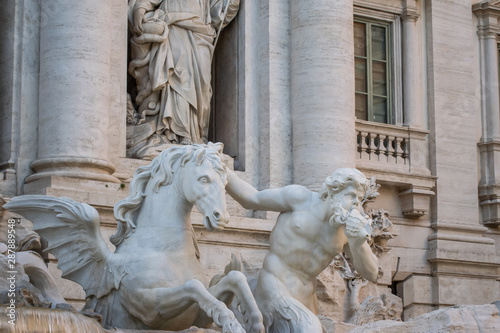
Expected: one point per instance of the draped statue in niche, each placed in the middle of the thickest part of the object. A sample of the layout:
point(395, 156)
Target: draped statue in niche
point(171, 51)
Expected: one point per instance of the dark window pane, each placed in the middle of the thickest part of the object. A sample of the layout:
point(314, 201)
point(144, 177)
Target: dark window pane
point(361, 106)
point(378, 43)
point(359, 39)
point(361, 75)
point(379, 110)
point(379, 78)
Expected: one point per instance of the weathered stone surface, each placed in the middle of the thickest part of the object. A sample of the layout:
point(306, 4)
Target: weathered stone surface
point(466, 318)
point(331, 292)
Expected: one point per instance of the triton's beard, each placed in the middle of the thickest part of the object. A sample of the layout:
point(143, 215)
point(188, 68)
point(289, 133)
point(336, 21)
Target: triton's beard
point(349, 217)
point(340, 214)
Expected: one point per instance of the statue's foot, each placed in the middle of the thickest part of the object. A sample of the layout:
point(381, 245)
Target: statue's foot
point(186, 141)
point(222, 317)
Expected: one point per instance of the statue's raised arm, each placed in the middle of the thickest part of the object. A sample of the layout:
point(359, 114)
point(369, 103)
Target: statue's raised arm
point(277, 200)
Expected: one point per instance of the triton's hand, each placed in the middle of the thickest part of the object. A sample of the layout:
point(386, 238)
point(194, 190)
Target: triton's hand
point(357, 228)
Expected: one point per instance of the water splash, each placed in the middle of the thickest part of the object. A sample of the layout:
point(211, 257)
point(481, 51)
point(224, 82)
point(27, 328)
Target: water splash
point(41, 320)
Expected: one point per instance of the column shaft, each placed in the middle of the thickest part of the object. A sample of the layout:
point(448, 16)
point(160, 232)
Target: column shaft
point(75, 70)
point(491, 85)
point(322, 89)
point(411, 116)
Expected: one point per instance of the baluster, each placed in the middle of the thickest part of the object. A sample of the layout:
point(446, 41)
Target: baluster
point(369, 141)
point(398, 150)
point(405, 145)
point(391, 151)
point(362, 143)
point(377, 144)
point(386, 145)
point(359, 140)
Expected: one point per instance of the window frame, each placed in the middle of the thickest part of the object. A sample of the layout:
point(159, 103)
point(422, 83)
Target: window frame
point(394, 85)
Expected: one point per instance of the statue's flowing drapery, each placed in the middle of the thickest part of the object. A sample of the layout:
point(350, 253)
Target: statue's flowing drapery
point(171, 62)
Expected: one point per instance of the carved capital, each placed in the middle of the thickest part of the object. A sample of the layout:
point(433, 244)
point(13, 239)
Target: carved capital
point(488, 31)
point(489, 15)
point(410, 13)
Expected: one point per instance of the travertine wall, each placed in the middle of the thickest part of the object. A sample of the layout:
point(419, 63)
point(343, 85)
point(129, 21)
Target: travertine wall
point(453, 94)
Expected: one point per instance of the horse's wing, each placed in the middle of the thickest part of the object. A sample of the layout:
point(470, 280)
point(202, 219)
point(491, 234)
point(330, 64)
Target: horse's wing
point(72, 231)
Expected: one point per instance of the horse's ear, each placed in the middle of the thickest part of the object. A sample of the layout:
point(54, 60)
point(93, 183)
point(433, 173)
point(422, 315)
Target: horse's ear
point(219, 146)
point(201, 156)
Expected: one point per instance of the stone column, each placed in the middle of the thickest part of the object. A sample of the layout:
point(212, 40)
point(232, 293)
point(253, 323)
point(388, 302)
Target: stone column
point(75, 70)
point(489, 43)
point(322, 89)
point(489, 146)
point(274, 110)
point(410, 68)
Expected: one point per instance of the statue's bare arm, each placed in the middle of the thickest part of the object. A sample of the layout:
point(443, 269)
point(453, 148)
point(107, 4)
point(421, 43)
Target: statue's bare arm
point(365, 262)
point(283, 199)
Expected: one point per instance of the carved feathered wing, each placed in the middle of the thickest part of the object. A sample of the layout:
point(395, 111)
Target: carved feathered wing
point(72, 231)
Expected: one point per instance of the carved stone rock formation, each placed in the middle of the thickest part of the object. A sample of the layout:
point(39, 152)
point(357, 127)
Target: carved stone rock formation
point(375, 308)
point(331, 292)
point(464, 318)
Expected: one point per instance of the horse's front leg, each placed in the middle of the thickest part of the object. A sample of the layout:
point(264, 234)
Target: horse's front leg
point(235, 284)
point(154, 306)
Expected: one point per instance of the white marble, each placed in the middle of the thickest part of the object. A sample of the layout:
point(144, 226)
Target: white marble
point(312, 228)
point(156, 255)
point(171, 59)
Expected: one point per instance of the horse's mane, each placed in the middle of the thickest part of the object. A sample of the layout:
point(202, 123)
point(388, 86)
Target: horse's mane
point(161, 172)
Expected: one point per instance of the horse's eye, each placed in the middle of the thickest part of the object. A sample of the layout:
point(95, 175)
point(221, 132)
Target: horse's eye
point(204, 179)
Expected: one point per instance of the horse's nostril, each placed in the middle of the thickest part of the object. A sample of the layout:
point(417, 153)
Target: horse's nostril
point(216, 215)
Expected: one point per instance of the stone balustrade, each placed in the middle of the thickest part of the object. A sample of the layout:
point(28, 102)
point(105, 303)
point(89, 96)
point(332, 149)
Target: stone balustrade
point(383, 144)
point(397, 156)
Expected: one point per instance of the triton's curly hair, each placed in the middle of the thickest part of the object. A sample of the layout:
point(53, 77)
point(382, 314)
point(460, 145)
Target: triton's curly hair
point(340, 179)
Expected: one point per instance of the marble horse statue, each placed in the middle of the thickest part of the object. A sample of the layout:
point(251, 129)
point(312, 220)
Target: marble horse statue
point(153, 280)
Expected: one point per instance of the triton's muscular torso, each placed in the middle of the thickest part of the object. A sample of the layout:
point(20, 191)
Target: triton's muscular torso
point(302, 246)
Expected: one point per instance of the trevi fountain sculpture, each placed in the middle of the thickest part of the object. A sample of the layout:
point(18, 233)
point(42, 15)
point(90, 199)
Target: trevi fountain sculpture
point(154, 279)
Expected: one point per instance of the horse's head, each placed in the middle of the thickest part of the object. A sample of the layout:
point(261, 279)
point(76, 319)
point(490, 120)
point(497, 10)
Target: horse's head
point(195, 171)
point(203, 184)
